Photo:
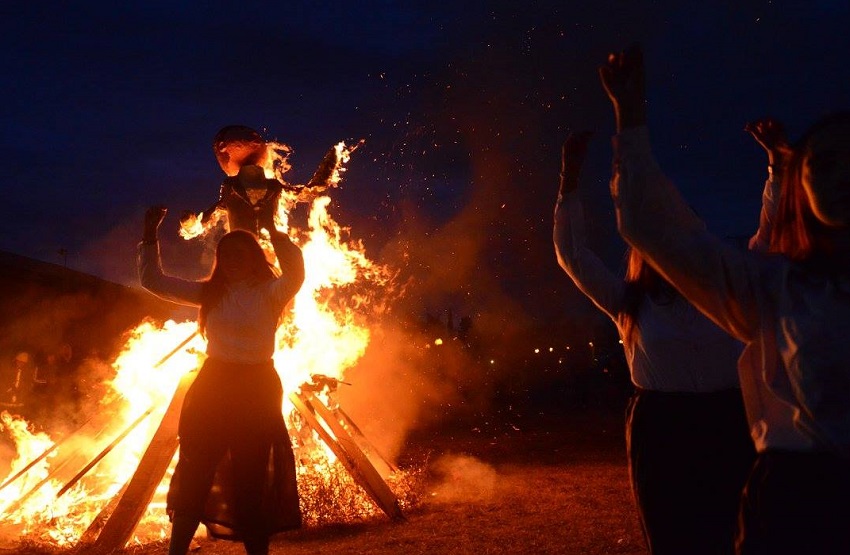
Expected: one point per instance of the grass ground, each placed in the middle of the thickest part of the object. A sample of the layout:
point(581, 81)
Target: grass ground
point(552, 483)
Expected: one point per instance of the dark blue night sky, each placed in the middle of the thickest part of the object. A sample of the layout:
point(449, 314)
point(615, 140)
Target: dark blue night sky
point(462, 105)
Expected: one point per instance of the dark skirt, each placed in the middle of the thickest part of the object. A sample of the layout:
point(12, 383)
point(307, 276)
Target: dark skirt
point(236, 469)
point(689, 457)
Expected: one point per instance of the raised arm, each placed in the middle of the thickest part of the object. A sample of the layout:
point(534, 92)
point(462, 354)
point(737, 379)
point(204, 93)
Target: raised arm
point(291, 261)
point(770, 134)
point(653, 217)
point(584, 267)
point(149, 266)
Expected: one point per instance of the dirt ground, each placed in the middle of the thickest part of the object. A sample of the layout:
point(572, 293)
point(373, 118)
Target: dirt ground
point(547, 483)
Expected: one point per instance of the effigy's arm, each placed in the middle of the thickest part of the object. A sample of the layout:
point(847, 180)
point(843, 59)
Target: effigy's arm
point(198, 224)
point(328, 173)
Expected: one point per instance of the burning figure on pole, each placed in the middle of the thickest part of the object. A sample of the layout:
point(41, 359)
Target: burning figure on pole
point(247, 196)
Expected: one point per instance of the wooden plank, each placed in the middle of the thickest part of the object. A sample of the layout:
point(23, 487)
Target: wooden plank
point(140, 489)
point(62, 471)
point(89, 426)
point(96, 525)
point(308, 412)
point(69, 460)
point(384, 466)
point(359, 465)
point(105, 451)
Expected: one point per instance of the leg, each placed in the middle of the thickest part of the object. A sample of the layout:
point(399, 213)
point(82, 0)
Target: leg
point(675, 488)
point(250, 472)
point(183, 527)
point(189, 489)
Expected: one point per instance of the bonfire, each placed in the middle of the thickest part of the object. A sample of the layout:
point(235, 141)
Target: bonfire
point(66, 488)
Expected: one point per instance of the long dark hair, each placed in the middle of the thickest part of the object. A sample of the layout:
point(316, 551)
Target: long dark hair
point(797, 233)
point(216, 286)
point(641, 281)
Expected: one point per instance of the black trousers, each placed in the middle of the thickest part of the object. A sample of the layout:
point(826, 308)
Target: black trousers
point(796, 502)
point(689, 457)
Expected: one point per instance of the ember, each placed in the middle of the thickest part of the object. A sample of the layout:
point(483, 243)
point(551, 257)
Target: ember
point(66, 490)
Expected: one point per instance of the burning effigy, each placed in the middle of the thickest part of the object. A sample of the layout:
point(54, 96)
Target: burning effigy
point(103, 484)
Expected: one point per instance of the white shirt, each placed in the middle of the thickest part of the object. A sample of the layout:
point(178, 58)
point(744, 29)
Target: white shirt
point(241, 327)
point(793, 322)
point(674, 347)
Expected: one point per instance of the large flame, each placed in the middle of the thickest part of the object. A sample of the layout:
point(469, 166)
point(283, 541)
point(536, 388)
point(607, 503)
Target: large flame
point(325, 333)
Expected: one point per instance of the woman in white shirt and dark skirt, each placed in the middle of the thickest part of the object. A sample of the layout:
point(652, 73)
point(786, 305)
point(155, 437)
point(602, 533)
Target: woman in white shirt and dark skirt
point(686, 430)
point(232, 411)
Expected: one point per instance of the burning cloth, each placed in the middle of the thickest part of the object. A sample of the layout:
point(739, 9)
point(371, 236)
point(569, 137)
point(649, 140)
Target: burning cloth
point(234, 444)
point(247, 197)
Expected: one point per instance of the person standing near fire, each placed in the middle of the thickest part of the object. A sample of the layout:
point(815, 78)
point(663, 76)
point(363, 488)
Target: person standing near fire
point(687, 442)
point(232, 411)
point(25, 381)
point(789, 306)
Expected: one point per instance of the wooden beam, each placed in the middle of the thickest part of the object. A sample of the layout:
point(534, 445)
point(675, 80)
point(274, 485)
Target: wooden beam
point(140, 489)
point(348, 452)
point(96, 525)
point(67, 461)
point(382, 463)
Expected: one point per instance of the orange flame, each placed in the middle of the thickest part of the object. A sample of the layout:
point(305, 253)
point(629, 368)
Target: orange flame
point(326, 333)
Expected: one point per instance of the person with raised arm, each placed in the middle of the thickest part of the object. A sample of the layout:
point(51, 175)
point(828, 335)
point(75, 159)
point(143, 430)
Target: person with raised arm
point(687, 442)
point(769, 133)
point(232, 411)
point(789, 306)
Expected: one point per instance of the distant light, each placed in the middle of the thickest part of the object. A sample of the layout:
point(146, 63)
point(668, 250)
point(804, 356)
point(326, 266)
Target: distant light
point(438, 341)
point(492, 361)
point(551, 349)
point(620, 342)
point(536, 350)
point(590, 343)
point(568, 347)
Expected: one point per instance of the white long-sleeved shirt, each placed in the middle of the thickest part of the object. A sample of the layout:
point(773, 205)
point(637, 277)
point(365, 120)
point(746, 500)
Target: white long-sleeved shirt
point(241, 327)
point(674, 347)
point(769, 206)
point(795, 368)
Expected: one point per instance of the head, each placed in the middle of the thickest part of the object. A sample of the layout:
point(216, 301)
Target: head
point(236, 146)
point(238, 258)
point(815, 199)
